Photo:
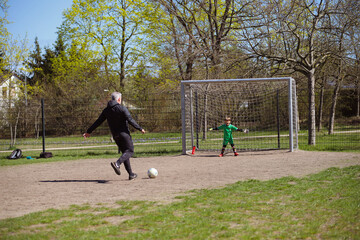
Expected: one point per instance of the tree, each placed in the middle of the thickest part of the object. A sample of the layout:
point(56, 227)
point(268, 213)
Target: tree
point(3, 34)
point(75, 70)
point(75, 73)
point(323, 75)
point(353, 10)
point(15, 53)
point(107, 27)
point(291, 35)
point(343, 23)
point(34, 63)
point(168, 40)
point(207, 25)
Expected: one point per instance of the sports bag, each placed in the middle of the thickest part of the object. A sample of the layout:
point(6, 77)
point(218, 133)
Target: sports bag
point(16, 154)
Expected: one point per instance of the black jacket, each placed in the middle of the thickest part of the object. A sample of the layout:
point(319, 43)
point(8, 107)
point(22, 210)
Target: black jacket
point(117, 117)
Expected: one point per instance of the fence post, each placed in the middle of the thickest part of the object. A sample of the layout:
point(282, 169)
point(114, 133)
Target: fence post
point(43, 123)
point(278, 115)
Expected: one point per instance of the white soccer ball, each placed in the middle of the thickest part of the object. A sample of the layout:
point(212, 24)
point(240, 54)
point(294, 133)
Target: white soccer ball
point(152, 173)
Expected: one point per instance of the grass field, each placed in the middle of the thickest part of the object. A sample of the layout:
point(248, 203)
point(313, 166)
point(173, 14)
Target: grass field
point(325, 205)
point(321, 206)
point(159, 144)
point(100, 147)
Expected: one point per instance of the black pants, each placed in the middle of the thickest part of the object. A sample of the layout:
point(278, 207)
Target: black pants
point(126, 147)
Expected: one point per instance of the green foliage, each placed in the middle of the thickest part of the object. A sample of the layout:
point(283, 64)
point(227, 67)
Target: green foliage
point(34, 63)
point(108, 28)
point(74, 75)
point(3, 34)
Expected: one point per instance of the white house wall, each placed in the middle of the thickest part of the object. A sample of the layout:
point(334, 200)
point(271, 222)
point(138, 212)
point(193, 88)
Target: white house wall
point(10, 89)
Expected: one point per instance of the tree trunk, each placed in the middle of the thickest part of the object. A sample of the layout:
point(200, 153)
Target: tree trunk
point(358, 98)
point(312, 116)
point(11, 136)
point(190, 58)
point(333, 106)
point(37, 123)
point(13, 131)
point(215, 62)
point(122, 53)
point(15, 127)
point(189, 62)
point(321, 105)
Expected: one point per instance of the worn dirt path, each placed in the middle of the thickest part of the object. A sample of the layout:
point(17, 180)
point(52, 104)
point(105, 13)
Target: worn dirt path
point(35, 187)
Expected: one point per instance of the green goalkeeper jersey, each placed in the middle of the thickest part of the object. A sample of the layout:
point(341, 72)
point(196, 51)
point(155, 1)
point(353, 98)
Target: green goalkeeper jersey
point(228, 129)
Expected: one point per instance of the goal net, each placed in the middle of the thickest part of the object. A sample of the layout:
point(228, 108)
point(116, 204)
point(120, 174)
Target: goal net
point(267, 107)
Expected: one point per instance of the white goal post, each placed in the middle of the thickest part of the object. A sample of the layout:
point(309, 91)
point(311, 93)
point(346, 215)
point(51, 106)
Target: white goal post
point(265, 106)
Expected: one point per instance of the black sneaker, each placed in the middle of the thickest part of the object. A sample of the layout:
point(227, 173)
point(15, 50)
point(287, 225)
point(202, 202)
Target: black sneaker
point(116, 168)
point(133, 176)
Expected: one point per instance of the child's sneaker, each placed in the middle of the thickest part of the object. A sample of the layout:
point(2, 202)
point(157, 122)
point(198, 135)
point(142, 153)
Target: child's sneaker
point(236, 154)
point(220, 155)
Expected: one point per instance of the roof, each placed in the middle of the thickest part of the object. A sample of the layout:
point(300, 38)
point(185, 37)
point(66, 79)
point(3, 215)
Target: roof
point(7, 76)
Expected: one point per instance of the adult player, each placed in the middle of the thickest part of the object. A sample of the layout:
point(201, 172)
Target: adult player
point(118, 118)
point(228, 138)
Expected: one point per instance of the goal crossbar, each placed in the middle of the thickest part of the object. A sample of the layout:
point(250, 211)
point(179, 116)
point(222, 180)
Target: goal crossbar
point(235, 80)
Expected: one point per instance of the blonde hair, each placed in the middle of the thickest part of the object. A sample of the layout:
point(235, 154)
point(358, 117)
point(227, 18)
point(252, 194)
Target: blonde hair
point(227, 119)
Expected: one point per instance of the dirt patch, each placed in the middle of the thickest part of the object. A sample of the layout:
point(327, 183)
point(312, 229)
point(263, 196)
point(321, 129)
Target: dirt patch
point(29, 188)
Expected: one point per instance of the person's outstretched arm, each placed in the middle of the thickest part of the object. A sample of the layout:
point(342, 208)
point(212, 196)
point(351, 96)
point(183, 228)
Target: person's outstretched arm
point(96, 124)
point(245, 130)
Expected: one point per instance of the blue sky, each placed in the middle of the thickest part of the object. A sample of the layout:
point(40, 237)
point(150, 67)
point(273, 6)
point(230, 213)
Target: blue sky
point(37, 18)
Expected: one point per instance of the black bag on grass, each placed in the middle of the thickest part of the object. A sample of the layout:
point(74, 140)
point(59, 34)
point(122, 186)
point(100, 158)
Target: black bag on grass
point(16, 154)
point(46, 155)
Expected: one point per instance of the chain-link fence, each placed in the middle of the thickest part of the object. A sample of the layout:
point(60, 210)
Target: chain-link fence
point(157, 112)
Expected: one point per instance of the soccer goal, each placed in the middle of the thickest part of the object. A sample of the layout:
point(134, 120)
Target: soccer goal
point(267, 107)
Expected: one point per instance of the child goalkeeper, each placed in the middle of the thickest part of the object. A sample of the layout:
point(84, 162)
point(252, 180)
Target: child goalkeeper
point(228, 129)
